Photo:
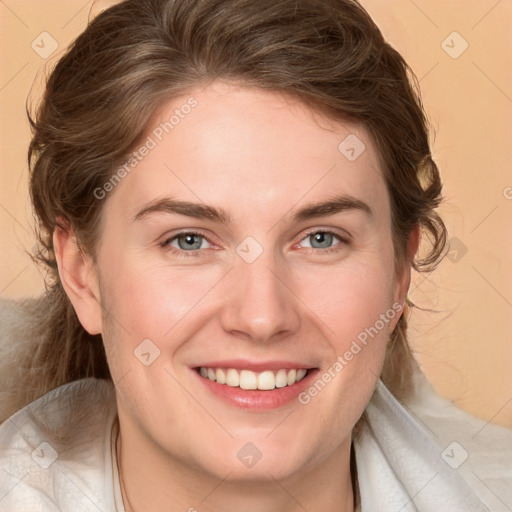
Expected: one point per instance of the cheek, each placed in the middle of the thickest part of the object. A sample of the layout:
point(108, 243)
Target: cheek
point(357, 311)
point(350, 299)
point(151, 300)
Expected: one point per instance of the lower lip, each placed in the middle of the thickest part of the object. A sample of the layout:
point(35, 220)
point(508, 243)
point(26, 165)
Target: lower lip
point(255, 399)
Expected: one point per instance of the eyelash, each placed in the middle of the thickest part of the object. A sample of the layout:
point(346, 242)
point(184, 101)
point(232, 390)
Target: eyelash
point(180, 252)
point(343, 240)
point(195, 253)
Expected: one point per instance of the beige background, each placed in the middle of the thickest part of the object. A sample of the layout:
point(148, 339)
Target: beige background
point(465, 347)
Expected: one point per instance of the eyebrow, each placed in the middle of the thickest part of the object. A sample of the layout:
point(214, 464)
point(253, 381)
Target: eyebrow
point(336, 205)
point(196, 210)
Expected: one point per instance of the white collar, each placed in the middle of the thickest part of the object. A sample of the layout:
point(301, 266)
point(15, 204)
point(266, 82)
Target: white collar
point(399, 455)
point(425, 456)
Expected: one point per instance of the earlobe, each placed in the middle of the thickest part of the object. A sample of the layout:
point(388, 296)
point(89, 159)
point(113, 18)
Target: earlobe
point(78, 277)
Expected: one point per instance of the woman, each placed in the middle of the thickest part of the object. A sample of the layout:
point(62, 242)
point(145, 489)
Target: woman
point(230, 197)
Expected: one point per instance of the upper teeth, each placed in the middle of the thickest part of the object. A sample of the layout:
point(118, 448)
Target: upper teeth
point(247, 379)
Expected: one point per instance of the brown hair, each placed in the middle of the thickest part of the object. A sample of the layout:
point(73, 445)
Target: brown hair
point(139, 54)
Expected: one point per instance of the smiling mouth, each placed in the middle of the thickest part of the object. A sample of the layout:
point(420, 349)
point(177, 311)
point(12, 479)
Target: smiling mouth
point(249, 380)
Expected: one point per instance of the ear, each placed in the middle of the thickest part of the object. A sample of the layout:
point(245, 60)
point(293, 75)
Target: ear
point(78, 276)
point(403, 278)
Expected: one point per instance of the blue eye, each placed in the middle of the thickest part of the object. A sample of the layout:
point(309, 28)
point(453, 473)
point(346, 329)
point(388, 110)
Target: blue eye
point(321, 240)
point(188, 242)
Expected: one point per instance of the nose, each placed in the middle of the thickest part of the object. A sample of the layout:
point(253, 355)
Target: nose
point(260, 305)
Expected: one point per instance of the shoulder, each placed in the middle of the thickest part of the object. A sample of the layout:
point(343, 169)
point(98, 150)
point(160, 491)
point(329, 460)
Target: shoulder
point(21, 333)
point(430, 454)
point(55, 453)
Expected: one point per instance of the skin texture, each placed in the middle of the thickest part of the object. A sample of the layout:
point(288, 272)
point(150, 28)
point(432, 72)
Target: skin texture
point(260, 157)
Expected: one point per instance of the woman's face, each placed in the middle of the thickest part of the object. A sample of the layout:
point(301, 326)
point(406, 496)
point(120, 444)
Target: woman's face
point(253, 240)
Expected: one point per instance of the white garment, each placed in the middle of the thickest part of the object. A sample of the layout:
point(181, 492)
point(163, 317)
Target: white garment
point(57, 454)
point(430, 456)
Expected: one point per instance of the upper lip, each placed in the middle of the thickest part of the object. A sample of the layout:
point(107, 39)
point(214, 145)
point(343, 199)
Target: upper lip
point(240, 364)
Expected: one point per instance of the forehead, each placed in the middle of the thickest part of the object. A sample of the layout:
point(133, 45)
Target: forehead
point(250, 149)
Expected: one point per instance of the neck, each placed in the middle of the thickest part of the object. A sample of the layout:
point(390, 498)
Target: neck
point(151, 482)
